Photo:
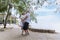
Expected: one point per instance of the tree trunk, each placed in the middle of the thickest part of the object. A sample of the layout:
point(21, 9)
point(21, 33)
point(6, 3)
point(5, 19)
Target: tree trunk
point(5, 21)
point(8, 14)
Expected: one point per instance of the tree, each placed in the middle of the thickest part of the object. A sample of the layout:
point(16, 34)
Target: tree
point(6, 5)
point(19, 5)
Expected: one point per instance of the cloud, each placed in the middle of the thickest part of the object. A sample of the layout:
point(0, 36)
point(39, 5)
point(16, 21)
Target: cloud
point(45, 12)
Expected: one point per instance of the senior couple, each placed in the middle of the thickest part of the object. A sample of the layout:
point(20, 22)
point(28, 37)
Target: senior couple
point(25, 20)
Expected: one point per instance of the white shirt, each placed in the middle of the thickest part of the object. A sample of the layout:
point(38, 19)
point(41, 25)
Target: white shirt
point(22, 17)
point(28, 18)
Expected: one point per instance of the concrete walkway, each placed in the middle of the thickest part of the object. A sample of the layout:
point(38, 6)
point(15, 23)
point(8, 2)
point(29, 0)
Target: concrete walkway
point(15, 34)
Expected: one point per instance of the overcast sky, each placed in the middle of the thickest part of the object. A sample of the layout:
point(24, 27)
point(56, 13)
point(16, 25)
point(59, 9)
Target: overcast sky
point(47, 18)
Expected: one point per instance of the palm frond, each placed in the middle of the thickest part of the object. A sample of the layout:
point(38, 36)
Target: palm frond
point(33, 17)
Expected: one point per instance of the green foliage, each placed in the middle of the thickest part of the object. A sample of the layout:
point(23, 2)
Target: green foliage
point(15, 1)
point(3, 5)
point(33, 17)
point(2, 9)
point(20, 6)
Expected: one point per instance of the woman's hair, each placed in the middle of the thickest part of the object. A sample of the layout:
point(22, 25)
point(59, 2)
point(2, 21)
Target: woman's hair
point(27, 11)
point(23, 13)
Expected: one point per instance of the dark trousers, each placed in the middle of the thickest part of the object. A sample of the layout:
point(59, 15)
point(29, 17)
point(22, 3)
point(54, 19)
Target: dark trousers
point(25, 26)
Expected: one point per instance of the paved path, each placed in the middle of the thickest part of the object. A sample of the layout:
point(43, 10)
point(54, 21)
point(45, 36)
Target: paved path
point(15, 34)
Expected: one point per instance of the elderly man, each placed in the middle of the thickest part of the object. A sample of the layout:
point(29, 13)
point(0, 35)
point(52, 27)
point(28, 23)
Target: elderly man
point(26, 22)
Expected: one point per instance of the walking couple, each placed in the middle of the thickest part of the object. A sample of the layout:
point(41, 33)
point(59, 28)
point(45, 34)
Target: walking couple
point(25, 19)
